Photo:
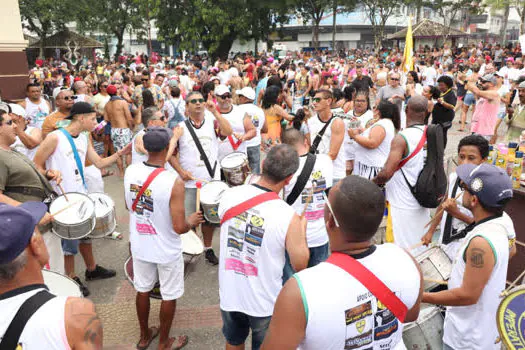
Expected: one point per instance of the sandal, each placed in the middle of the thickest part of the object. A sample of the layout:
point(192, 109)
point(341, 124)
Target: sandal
point(117, 236)
point(182, 342)
point(154, 334)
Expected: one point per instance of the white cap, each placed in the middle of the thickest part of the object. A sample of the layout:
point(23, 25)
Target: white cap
point(18, 110)
point(522, 85)
point(247, 92)
point(221, 90)
point(57, 90)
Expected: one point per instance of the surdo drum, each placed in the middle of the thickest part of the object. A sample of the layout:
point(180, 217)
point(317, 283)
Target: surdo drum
point(435, 265)
point(106, 221)
point(61, 285)
point(210, 196)
point(427, 331)
point(235, 167)
point(76, 216)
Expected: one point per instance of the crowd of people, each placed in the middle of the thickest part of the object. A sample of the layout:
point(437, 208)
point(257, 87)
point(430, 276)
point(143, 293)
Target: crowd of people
point(330, 141)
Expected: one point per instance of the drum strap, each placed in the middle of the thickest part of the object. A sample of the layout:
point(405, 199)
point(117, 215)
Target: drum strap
point(418, 148)
point(80, 167)
point(250, 203)
point(317, 140)
point(302, 179)
point(370, 282)
point(234, 144)
point(144, 187)
point(204, 157)
point(24, 313)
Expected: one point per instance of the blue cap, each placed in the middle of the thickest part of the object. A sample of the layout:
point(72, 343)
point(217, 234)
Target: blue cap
point(156, 139)
point(17, 227)
point(489, 183)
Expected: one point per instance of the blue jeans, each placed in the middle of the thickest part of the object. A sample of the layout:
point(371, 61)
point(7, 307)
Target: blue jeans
point(254, 159)
point(70, 246)
point(317, 255)
point(236, 327)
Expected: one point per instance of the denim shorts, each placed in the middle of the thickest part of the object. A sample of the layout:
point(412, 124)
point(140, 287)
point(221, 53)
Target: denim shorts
point(236, 327)
point(469, 99)
point(70, 246)
point(317, 256)
point(254, 159)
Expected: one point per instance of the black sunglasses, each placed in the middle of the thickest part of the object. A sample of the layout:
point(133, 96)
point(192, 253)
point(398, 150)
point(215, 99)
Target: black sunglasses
point(225, 96)
point(395, 79)
point(8, 122)
point(104, 86)
point(196, 100)
point(67, 98)
point(144, 79)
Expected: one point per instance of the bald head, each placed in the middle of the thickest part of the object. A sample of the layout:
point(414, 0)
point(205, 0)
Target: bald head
point(417, 108)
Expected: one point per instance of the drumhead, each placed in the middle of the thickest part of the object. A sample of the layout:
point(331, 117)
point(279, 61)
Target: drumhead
point(103, 203)
point(509, 319)
point(426, 312)
point(191, 243)
point(234, 160)
point(72, 215)
point(212, 191)
point(61, 285)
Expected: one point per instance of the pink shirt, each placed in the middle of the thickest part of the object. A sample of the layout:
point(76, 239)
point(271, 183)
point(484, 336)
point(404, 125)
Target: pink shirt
point(485, 117)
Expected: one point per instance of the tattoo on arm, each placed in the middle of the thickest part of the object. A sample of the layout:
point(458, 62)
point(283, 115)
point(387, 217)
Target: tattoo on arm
point(476, 258)
point(93, 331)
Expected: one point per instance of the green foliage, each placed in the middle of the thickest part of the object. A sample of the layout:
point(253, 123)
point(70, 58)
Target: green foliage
point(378, 13)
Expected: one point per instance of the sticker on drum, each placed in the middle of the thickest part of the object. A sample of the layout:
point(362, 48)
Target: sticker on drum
point(427, 331)
point(106, 221)
point(235, 167)
point(75, 216)
point(435, 265)
point(210, 197)
point(128, 271)
point(61, 285)
point(509, 318)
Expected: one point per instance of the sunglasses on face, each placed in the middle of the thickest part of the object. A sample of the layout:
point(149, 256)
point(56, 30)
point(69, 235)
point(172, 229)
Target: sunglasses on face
point(225, 96)
point(144, 79)
point(104, 86)
point(8, 122)
point(196, 100)
point(394, 79)
point(163, 118)
point(327, 202)
point(70, 98)
point(317, 99)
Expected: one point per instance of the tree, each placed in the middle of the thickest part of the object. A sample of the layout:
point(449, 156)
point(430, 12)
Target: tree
point(506, 5)
point(450, 9)
point(378, 13)
point(314, 10)
point(112, 17)
point(44, 17)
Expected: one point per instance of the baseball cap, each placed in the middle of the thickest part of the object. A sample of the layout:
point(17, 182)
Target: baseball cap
point(489, 183)
point(18, 110)
point(80, 108)
point(498, 74)
point(173, 83)
point(214, 78)
point(221, 90)
point(111, 89)
point(247, 92)
point(491, 78)
point(157, 138)
point(18, 224)
point(57, 90)
point(522, 85)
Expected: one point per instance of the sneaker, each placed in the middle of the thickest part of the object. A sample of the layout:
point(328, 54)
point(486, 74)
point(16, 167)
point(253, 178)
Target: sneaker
point(83, 289)
point(211, 258)
point(100, 273)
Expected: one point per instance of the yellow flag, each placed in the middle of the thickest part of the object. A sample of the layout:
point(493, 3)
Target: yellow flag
point(408, 63)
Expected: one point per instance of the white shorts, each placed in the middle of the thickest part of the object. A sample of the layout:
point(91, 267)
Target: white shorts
point(94, 180)
point(56, 255)
point(408, 226)
point(170, 276)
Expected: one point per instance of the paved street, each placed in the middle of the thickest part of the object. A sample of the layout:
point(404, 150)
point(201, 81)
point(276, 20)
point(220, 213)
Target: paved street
point(197, 311)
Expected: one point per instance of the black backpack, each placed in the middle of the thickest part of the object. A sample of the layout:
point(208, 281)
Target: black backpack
point(431, 185)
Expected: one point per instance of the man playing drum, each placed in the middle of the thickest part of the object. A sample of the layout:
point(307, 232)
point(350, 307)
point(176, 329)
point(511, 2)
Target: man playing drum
point(56, 322)
point(479, 271)
point(208, 125)
point(330, 306)
point(155, 199)
point(57, 152)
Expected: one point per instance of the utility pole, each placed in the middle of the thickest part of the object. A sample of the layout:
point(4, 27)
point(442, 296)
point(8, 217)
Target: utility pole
point(149, 30)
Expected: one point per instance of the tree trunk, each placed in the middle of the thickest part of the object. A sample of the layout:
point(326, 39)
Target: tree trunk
point(315, 33)
point(522, 18)
point(41, 47)
point(503, 31)
point(334, 26)
point(120, 42)
point(418, 12)
point(224, 47)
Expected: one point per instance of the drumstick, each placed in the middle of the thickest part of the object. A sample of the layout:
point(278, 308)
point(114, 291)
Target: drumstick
point(417, 245)
point(440, 211)
point(512, 284)
point(199, 180)
point(308, 200)
point(63, 192)
point(66, 207)
point(436, 281)
point(198, 204)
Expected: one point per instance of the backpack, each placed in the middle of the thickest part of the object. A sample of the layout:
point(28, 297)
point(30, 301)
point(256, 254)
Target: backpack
point(431, 184)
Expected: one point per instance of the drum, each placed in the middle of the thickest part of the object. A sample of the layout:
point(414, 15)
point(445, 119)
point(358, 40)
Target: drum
point(427, 331)
point(509, 319)
point(210, 197)
point(191, 246)
point(435, 265)
point(380, 235)
point(128, 270)
point(235, 167)
point(61, 285)
point(75, 217)
point(106, 220)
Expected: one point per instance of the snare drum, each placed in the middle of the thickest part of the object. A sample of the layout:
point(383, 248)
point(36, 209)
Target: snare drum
point(191, 246)
point(210, 197)
point(435, 265)
point(235, 167)
point(427, 331)
point(106, 221)
point(75, 222)
point(61, 285)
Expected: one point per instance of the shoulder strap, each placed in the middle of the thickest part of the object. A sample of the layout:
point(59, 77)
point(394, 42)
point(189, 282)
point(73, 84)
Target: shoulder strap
point(302, 179)
point(75, 154)
point(447, 237)
point(317, 140)
point(419, 147)
point(370, 282)
point(250, 203)
point(145, 186)
point(28, 308)
point(211, 171)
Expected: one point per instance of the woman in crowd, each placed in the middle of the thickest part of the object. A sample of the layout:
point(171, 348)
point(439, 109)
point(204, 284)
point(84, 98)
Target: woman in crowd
point(443, 112)
point(274, 114)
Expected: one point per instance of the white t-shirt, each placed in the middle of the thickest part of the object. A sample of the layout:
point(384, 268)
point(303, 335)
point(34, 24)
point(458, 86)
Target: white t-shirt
point(315, 125)
point(236, 119)
point(349, 144)
point(257, 115)
point(502, 91)
point(430, 75)
point(252, 252)
point(321, 176)
point(19, 146)
point(376, 157)
point(343, 314)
